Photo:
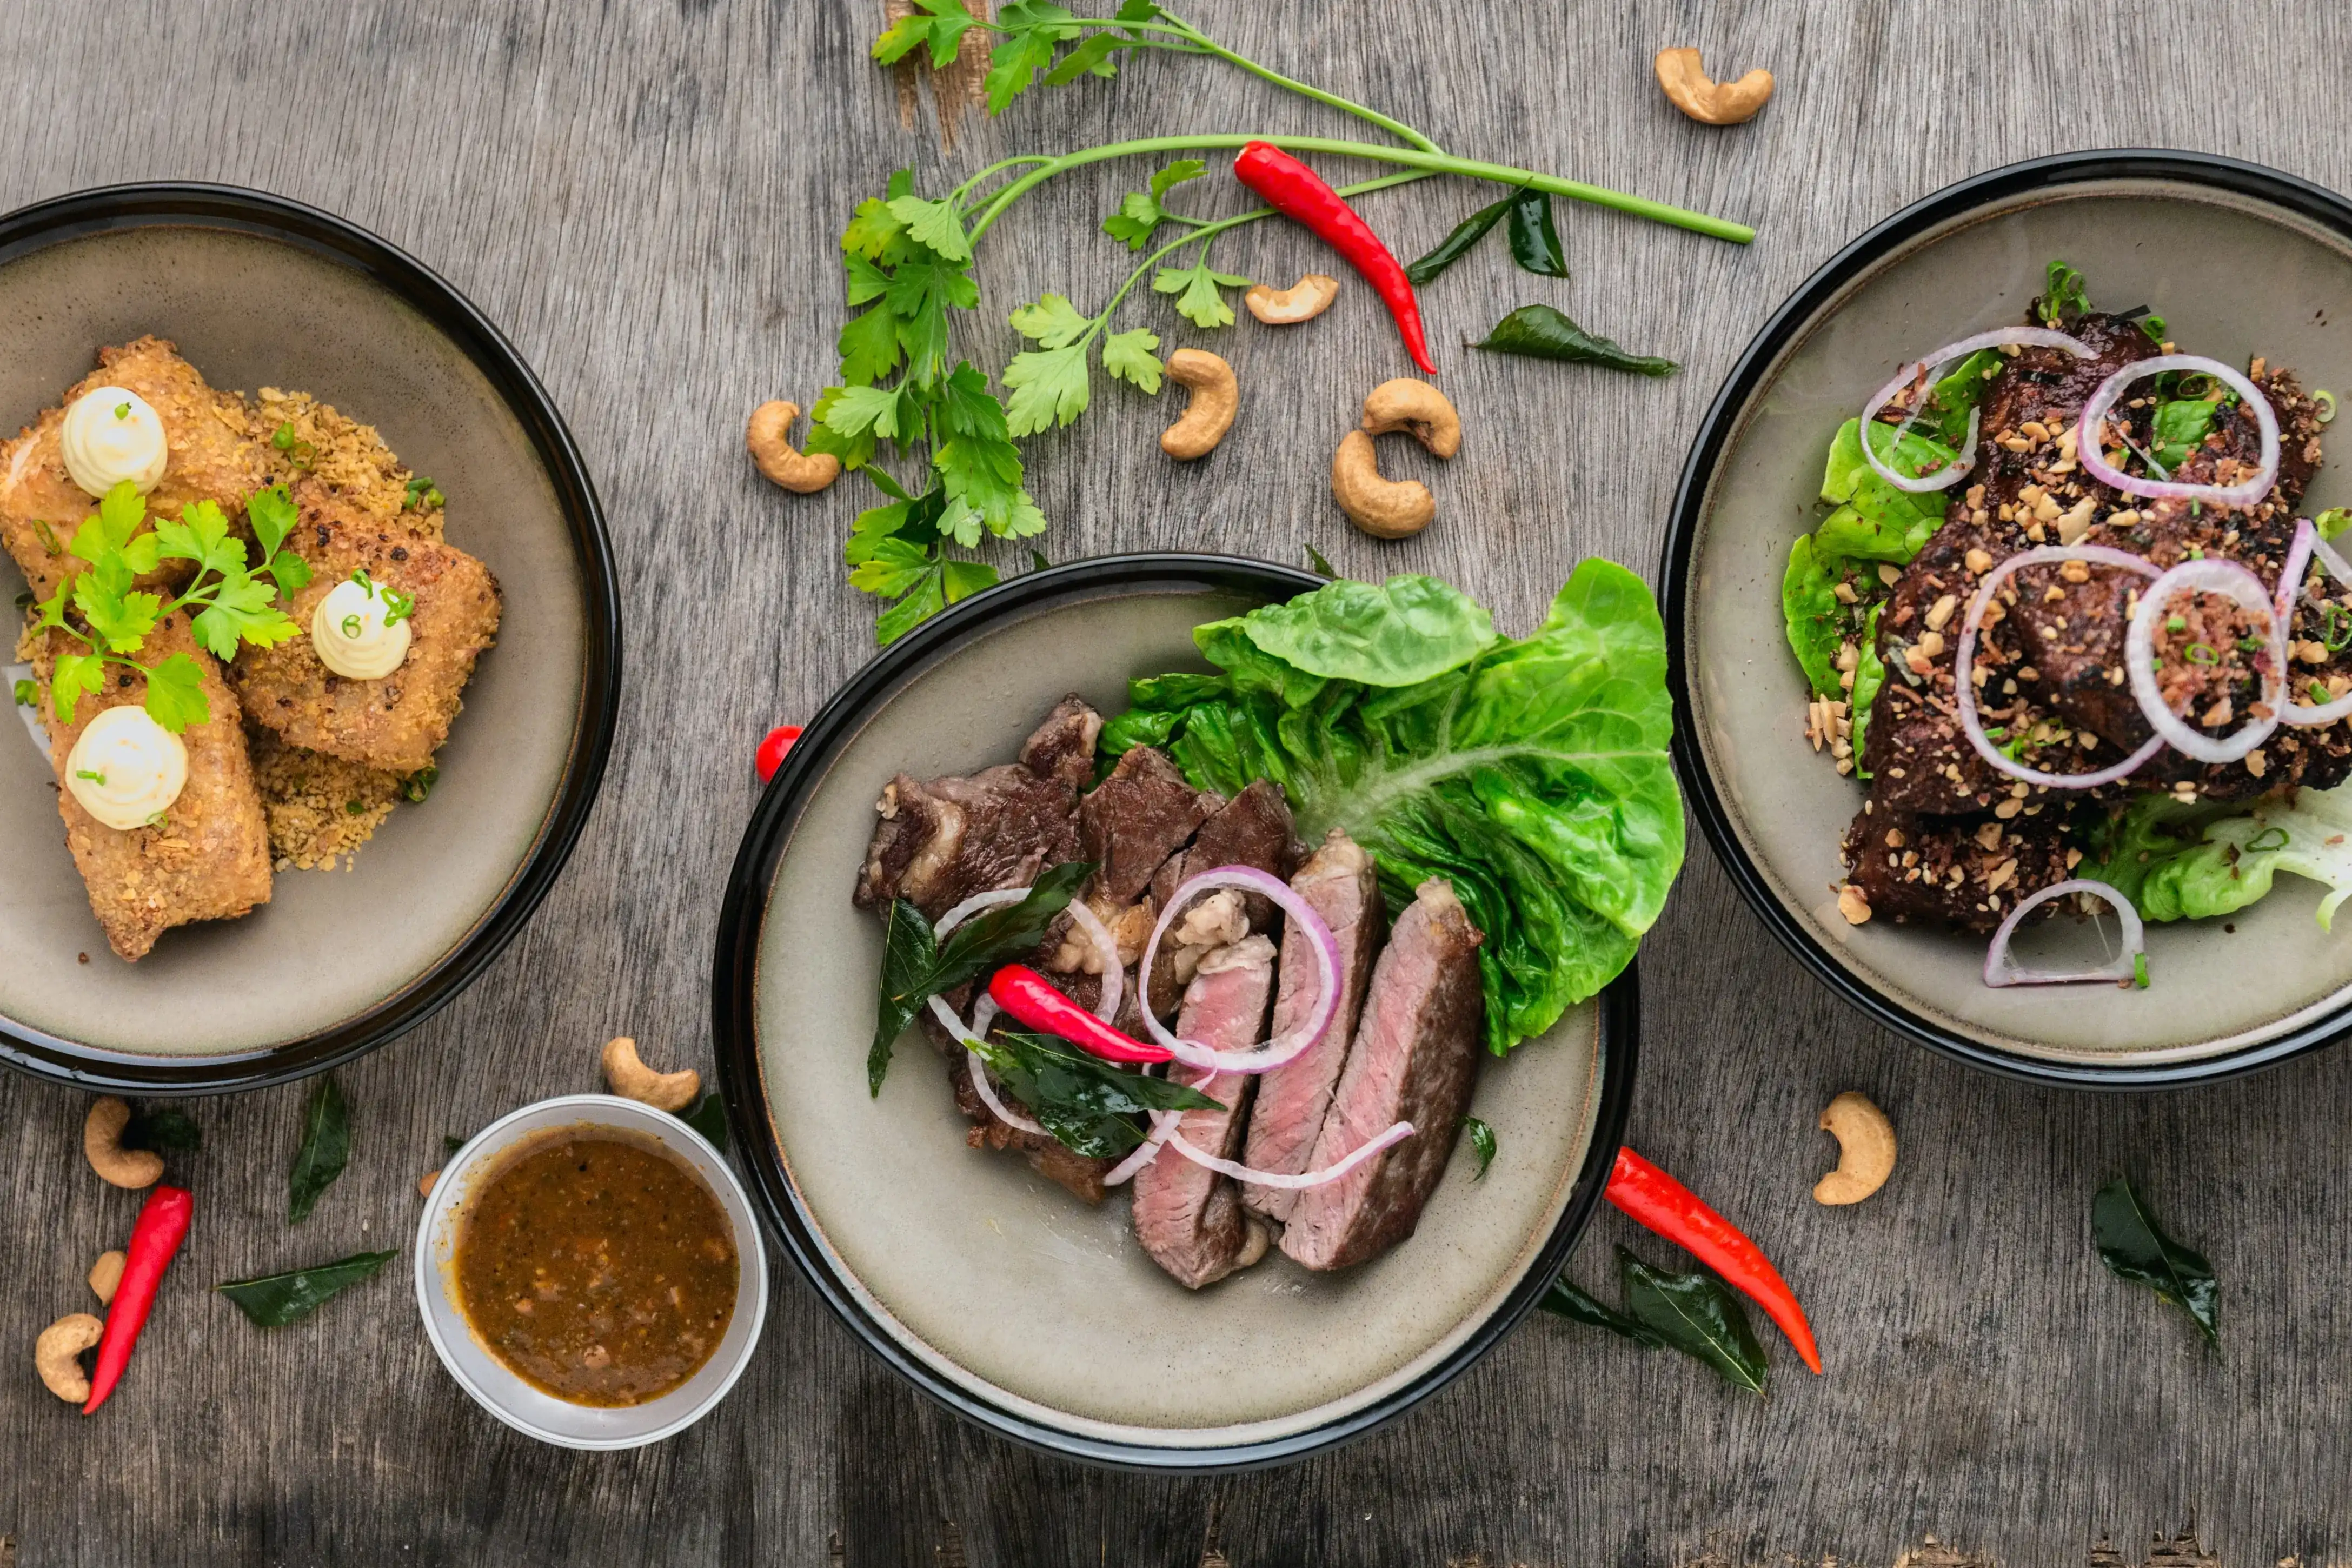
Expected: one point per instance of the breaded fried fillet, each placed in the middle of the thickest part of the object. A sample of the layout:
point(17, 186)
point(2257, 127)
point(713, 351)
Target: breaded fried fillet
point(213, 457)
point(398, 722)
point(208, 860)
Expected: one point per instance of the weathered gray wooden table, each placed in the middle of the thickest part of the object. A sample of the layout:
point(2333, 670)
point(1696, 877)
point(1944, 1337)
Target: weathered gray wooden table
point(646, 197)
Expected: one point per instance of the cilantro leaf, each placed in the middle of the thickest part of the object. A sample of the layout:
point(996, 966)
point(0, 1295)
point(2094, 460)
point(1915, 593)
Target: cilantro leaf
point(272, 514)
point(119, 512)
point(967, 407)
point(858, 410)
point(870, 346)
point(962, 579)
point(176, 694)
point(855, 450)
point(1051, 323)
point(1092, 58)
point(290, 572)
point(74, 677)
point(927, 599)
point(959, 520)
point(1200, 301)
point(864, 280)
point(241, 608)
point(944, 28)
point(1181, 170)
point(122, 620)
point(1140, 213)
point(1047, 388)
point(1032, 29)
point(200, 536)
point(986, 474)
point(1129, 357)
point(875, 232)
point(934, 224)
point(891, 567)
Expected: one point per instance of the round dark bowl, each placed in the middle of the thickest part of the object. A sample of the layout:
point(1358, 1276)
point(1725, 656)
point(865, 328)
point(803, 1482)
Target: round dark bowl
point(2240, 260)
point(257, 290)
point(985, 1285)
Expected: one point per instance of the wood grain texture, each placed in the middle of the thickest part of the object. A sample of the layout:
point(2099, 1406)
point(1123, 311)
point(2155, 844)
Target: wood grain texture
point(645, 197)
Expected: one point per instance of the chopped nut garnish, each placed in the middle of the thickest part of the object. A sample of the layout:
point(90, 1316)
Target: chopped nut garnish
point(2257, 764)
point(1845, 594)
point(2125, 519)
point(1989, 836)
point(1941, 611)
point(1853, 905)
point(1918, 662)
point(1895, 839)
point(2034, 430)
point(1931, 643)
point(1888, 574)
point(2008, 808)
point(2002, 875)
point(2221, 712)
point(2311, 652)
point(2027, 672)
point(2074, 571)
point(2073, 858)
point(1978, 560)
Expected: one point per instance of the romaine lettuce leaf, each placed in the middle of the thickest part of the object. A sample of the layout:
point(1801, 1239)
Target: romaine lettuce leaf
point(1869, 675)
point(1874, 520)
point(1811, 609)
point(1535, 777)
point(1410, 629)
point(2180, 862)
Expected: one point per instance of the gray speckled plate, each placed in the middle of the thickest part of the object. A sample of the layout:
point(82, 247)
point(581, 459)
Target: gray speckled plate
point(2240, 261)
point(992, 1288)
point(259, 291)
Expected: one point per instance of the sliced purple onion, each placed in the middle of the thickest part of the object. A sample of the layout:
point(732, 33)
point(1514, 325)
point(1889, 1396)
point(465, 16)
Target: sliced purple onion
point(2307, 543)
point(1999, 969)
point(975, 904)
point(2090, 453)
point(1163, 1126)
point(1270, 1054)
point(1395, 1132)
point(1922, 371)
point(1964, 689)
point(2208, 576)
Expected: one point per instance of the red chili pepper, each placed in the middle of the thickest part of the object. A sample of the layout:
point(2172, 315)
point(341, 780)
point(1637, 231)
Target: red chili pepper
point(1294, 190)
point(770, 754)
point(162, 1225)
point(1032, 998)
point(1656, 1201)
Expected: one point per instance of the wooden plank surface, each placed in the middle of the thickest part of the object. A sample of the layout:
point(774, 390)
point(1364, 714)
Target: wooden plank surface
point(645, 196)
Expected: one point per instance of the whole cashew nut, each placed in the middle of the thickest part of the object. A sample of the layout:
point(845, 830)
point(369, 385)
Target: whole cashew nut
point(56, 1354)
point(101, 1144)
point(1385, 509)
point(1217, 397)
point(106, 1277)
point(632, 1080)
point(1866, 1150)
point(1302, 301)
point(803, 473)
point(1710, 102)
point(1418, 409)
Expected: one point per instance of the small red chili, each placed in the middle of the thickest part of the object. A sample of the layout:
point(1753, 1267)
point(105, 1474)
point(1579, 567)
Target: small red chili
point(770, 754)
point(1030, 998)
point(156, 1237)
point(1294, 190)
point(1657, 1202)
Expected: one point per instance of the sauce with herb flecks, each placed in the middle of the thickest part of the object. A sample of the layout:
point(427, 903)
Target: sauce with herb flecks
point(597, 1269)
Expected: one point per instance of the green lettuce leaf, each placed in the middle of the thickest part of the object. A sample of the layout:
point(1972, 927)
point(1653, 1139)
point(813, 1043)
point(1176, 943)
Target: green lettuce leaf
point(1869, 675)
point(1534, 777)
point(1811, 610)
point(1410, 629)
point(2188, 862)
point(1874, 520)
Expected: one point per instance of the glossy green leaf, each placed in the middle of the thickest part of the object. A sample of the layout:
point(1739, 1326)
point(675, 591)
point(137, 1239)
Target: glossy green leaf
point(1482, 1145)
point(1534, 242)
point(708, 1116)
point(916, 966)
point(274, 1301)
point(2135, 1249)
point(325, 1149)
point(1457, 245)
point(1538, 332)
point(1698, 1315)
point(1088, 1104)
point(1569, 1300)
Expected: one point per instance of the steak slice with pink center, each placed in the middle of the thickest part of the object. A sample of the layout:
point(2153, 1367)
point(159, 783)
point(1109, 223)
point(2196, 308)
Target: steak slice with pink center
point(1414, 1059)
point(1341, 883)
point(1188, 1216)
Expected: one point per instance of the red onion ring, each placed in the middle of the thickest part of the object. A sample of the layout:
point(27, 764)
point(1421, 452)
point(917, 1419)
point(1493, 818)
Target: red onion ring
point(1920, 370)
point(2211, 576)
point(1270, 1054)
point(1964, 689)
point(2307, 543)
point(2090, 454)
point(1999, 969)
point(975, 904)
point(1396, 1132)
point(1163, 1126)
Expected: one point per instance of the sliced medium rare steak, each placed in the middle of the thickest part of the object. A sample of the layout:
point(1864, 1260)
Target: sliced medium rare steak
point(1189, 1217)
point(1414, 1059)
point(941, 840)
point(1341, 883)
point(1131, 822)
point(1253, 829)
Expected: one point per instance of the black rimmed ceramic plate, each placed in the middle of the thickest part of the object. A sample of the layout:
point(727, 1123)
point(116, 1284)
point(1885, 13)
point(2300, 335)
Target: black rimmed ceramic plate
point(255, 292)
point(985, 1285)
point(2240, 261)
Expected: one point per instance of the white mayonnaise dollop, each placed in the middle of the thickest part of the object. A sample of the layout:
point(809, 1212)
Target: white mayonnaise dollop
point(111, 435)
point(351, 630)
point(126, 768)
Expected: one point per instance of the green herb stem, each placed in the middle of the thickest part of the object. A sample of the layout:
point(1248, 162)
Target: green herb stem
point(1412, 157)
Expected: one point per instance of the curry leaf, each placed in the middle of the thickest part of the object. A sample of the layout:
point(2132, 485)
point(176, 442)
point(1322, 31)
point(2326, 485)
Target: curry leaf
point(708, 1116)
point(2134, 1248)
point(1482, 1145)
point(163, 1127)
point(274, 1301)
point(909, 953)
point(1571, 1302)
point(1085, 1102)
point(1538, 332)
point(1535, 243)
point(325, 1149)
point(1458, 244)
point(1698, 1315)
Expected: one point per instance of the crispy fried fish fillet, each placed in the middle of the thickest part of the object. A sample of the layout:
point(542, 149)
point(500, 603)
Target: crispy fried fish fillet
point(398, 722)
point(208, 860)
point(213, 457)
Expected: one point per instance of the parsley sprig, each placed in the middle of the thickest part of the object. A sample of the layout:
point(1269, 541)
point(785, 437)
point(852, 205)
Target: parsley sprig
point(229, 603)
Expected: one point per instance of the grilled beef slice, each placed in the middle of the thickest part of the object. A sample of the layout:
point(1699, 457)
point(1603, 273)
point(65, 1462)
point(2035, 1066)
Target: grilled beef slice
point(1063, 747)
point(941, 840)
point(1968, 872)
point(1416, 1058)
point(1341, 883)
point(1252, 829)
point(1046, 1155)
point(1189, 1217)
point(1129, 824)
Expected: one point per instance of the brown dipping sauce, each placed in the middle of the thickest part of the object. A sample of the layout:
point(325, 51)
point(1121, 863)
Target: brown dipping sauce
point(597, 1269)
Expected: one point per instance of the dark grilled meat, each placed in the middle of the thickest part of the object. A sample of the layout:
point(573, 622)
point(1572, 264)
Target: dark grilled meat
point(1956, 870)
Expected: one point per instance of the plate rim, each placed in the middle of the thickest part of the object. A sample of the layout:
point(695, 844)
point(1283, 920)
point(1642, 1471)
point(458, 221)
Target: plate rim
point(190, 204)
point(2056, 173)
point(735, 1037)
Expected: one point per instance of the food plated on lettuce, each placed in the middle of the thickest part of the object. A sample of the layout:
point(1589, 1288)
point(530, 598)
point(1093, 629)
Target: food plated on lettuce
point(2066, 626)
point(1243, 947)
point(244, 638)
